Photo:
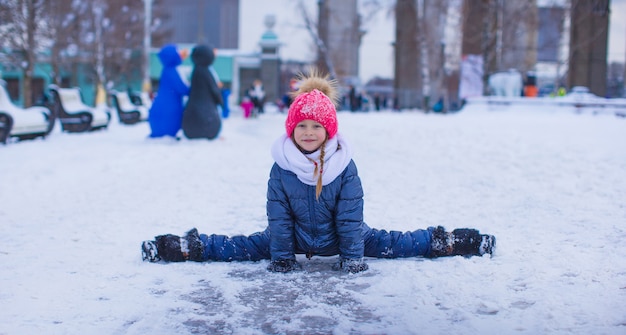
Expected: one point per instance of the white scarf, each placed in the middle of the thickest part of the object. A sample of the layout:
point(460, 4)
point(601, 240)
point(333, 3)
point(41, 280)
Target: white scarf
point(289, 157)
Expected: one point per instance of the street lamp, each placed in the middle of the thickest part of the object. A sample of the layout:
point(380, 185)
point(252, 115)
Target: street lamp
point(147, 85)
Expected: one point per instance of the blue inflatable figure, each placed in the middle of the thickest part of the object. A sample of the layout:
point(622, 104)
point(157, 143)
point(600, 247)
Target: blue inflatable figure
point(166, 114)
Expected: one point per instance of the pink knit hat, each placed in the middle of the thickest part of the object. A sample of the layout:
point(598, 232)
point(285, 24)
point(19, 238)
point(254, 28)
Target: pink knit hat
point(315, 106)
point(314, 101)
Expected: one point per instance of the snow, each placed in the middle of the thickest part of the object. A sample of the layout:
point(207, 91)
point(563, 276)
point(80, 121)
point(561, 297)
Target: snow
point(550, 185)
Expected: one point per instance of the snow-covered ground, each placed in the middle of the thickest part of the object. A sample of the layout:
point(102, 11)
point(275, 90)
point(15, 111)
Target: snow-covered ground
point(550, 185)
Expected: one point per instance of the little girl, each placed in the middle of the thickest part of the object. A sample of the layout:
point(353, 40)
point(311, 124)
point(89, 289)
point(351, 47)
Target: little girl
point(247, 106)
point(315, 205)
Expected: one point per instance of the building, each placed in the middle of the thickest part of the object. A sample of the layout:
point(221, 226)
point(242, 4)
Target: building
point(214, 22)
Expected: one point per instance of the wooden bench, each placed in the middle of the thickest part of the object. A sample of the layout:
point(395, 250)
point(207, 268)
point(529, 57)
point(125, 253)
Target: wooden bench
point(127, 112)
point(146, 101)
point(23, 123)
point(74, 114)
point(142, 99)
point(6, 123)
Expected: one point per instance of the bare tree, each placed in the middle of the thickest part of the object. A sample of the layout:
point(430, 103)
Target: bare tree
point(408, 78)
point(104, 35)
point(111, 39)
point(503, 32)
point(337, 50)
point(588, 44)
point(491, 24)
point(324, 62)
point(122, 37)
point(61, 26)
point(420, 56)
point(432, 23)
point(339, 26)
point(21, 25)
point(517, 43)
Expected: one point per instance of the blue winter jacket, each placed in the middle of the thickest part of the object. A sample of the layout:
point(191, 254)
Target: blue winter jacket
point(300, 224)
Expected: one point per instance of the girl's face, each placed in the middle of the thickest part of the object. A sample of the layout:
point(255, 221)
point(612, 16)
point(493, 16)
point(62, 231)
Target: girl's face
point(309, 135)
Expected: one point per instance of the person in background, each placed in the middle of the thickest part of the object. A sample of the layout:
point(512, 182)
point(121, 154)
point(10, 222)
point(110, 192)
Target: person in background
point(377, 101)
point(257, 95)
point(315, 205)
point(352, 99)
point(287, 98)
point(247, 106)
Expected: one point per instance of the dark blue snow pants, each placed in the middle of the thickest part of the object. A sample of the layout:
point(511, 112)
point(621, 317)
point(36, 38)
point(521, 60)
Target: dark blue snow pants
point(378, 243)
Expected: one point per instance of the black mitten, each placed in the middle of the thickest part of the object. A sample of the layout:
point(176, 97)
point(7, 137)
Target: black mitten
point(284, 265)
point(350, 265)
point(195, 245)
point(168, 247)
point(441, 244)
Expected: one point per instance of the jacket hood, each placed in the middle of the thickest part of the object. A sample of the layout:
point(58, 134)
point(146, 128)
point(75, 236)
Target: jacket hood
point(169, 56)
point(202, 55)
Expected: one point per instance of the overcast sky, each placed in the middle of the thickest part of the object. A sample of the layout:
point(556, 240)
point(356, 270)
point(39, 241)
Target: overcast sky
point(376, 54)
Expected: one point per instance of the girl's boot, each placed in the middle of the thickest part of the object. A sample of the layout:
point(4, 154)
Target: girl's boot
point(460, 242)
point(469, 242)
point(149, 251)
point(172, 248)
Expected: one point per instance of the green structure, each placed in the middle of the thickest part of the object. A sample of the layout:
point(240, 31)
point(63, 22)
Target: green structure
point(42, 77)
point(14, 77)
